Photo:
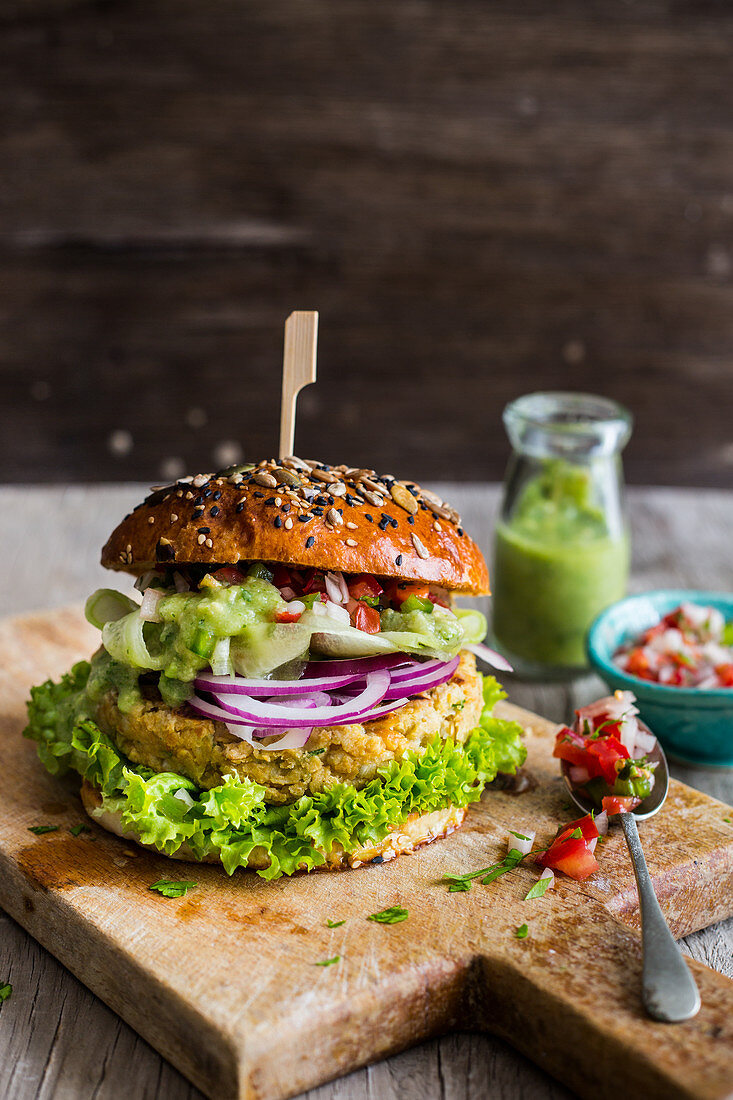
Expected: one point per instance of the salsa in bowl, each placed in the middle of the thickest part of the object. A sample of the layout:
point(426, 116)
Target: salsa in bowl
point(693, 723)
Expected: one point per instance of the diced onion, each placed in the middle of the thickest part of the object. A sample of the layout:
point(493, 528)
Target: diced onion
point(601, 823)
point(547, 873)
point(523, 846)
point(149, 607)
point(578, 774)
point(221, 665)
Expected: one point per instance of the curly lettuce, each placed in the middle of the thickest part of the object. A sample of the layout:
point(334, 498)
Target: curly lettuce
point(233, 820)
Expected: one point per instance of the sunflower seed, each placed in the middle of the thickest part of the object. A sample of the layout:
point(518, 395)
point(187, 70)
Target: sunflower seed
point(402, 496)
point(266, 480)
point(374, 498)
point(420, 547)
point(372, 486)
point(294, 463)
point(337, 489)
point(352, 526)
point(324, 475)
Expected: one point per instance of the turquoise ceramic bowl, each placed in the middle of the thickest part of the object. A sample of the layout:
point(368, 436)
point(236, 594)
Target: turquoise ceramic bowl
point(693, 724)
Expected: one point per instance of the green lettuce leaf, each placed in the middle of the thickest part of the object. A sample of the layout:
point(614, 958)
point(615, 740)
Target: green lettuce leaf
point(233, 820)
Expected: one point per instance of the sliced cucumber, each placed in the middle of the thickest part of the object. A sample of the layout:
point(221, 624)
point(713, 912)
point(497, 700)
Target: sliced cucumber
point(106, 605)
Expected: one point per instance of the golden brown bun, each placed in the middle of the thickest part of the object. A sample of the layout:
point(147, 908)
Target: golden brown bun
point(412, 834)
point(358, 523)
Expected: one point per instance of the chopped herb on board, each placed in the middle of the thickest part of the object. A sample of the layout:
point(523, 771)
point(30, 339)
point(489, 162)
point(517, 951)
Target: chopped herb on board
point(172, 889)
point(540, 888)
point(462, 883)
point(329, 962)
point(5, 991)
point(521, 932)
point(39, 830)
point(76, 829)
point(394, 915)
point(334, 923)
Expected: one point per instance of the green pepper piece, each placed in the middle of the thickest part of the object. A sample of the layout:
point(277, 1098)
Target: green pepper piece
point(417, 603)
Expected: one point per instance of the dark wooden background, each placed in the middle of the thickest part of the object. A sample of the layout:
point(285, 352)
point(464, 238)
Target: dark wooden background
point(481, 198)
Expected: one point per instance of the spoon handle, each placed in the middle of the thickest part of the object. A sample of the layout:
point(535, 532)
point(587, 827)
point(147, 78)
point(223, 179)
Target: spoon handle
point(669, 991)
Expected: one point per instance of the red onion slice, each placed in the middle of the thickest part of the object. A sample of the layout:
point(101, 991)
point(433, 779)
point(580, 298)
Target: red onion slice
point(359, 666)
point(291, 739)
point(258, 713)
point(419, 683)
point(489, 656)
point(240, 685)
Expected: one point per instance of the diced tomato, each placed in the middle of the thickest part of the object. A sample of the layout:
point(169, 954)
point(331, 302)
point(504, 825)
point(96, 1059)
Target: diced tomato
point(617, 804)
point(725, 675)
point(313, 581)
point(586, 825)
point(398, 593)
point(288, 616)
point(567, 747)
point(281, 577)
point(367, 619)
point(637, 664)
point(570, 855)
point(606, 752)
point(229, 574)
point(364, 585)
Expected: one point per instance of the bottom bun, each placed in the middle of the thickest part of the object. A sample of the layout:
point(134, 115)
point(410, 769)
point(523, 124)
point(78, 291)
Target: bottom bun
point(412, 834)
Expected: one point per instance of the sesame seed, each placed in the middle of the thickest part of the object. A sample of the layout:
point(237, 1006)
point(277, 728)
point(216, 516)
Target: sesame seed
point(309, 542)
point(410, 519)
point(201, 540)
point(368, 517)
point(189, 495)
point(174, 517)
point(278, 521)
point(352, 526)
point(210, 544)
point(278, 501)
point(398, 560)
point(436, 526)
point(286, 508)
point(215, 510)
point(240, 506)
point(288, 523)
point(151, 519)
point(304, 518)
point(199, 480)
point(460, 531)
point(207, 494)
point(351, 542)
point(270, 500)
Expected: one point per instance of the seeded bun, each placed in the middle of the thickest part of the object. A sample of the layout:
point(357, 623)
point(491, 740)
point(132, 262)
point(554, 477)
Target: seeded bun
point(301, 513)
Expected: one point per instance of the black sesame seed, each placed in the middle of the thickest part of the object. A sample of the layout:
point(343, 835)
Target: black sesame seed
point(317, 511)
point(197, 501)
point(393, 522)
point(321, 500)
point(398, 560)
point(383, 525)
point(304, 519)
point(203, 530)
point(215, 510)
point(460, 531)
point(270, 500)
point(349, 499)
point(386, 518)
point(217, 494)
point(378, 859)
point(197, 513)
point(207, 493)
point(286, 508)
point(258, 495)
point(309, 542)
point(368, 517)
point(278, 521)
point(410, 519)
point(240, 507)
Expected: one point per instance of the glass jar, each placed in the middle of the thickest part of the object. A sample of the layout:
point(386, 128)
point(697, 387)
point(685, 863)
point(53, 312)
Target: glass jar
point(562, 542)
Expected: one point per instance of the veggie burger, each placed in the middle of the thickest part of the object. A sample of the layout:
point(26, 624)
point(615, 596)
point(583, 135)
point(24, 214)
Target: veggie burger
point(295, 689)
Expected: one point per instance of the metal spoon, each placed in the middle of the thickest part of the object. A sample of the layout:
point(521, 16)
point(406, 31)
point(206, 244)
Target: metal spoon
point(669, 991)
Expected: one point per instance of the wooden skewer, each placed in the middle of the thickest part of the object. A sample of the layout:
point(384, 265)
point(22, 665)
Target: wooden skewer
point(299, 369)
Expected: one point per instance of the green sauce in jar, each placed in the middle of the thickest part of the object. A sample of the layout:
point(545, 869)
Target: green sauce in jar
point(556, 567)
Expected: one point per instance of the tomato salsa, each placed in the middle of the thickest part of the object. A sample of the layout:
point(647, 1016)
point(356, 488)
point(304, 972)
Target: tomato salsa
point(607, 752)
point(692, 646)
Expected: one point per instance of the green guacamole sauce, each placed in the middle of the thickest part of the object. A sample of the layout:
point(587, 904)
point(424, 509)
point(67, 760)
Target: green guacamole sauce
point(556, 567)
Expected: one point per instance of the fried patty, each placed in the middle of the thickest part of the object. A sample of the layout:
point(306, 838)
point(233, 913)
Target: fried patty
point(205, 751)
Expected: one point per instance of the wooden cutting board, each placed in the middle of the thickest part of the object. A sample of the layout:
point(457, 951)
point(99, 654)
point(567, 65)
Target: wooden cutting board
point(224, 981)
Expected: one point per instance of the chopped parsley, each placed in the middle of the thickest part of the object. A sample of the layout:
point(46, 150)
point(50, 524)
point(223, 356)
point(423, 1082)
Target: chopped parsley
point(334, 923)
point(394, 915)
point(521, 932)
point(172, 889)
point(39, 830)
point(459, 705)
point(727, 819)
point(575, 835)
point(519, 836)
point(5, 991)
point(76, 829)
point(315, 752)
point(539, 889)
point(462, 883)
point(329, 962)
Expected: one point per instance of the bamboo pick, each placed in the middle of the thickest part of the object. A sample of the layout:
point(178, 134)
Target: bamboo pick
point(299, 370)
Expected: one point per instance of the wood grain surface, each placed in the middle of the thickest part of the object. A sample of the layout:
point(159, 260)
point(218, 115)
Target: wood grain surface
point(481, 199)
point(58, 1041)
point(214, 979)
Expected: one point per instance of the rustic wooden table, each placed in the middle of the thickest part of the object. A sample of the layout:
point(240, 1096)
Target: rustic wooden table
point(57, 1040)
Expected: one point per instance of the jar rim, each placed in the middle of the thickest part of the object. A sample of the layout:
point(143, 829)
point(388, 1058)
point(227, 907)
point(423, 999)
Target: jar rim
point(584, 421)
